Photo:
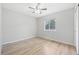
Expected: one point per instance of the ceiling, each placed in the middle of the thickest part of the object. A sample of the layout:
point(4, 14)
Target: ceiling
point(51, 8)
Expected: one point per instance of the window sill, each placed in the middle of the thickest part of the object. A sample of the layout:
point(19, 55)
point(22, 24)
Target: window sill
point(50, 30)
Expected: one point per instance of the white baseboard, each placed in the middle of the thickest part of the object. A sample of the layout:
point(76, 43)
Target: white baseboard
point(40, 37)
point(48, 38)
point(26, 38)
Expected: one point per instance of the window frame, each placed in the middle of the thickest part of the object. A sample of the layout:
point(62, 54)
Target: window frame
point(45, 21)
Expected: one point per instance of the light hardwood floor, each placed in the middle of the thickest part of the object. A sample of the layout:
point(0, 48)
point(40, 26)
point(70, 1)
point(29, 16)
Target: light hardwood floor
point(38, 46)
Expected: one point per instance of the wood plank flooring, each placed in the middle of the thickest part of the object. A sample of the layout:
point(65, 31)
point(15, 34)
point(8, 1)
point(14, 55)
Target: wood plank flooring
point(37, 46)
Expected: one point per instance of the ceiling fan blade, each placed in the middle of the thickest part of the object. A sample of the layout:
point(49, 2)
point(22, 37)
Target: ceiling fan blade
point(37, 5)
point(31, 7)
point(44, 9)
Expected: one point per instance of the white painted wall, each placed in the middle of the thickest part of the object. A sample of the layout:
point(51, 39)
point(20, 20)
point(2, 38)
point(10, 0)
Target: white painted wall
point(64, 27)
point(0, 28)
point(17, 26)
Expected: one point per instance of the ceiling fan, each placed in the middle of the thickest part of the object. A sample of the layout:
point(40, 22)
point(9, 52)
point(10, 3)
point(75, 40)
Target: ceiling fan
point(37, 9)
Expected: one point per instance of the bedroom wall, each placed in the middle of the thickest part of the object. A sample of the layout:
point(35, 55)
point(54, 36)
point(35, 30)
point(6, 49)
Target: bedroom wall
point(64, 27)
point(17, 26)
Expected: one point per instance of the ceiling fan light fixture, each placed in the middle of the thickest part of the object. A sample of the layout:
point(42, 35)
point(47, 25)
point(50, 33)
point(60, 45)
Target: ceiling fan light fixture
point(37, 9)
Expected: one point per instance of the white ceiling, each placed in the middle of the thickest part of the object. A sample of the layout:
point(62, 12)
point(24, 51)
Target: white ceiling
point(51, 8)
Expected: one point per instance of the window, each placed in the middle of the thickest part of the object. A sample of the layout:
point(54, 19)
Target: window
point(49, 25)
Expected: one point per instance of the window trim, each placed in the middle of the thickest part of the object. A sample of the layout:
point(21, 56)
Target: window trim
point(49, 25)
